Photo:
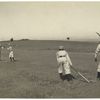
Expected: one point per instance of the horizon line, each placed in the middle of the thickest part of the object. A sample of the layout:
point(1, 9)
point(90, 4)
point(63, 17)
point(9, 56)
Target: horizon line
point(74, 40)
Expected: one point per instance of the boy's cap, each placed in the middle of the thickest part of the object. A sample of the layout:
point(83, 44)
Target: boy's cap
point(61, 47)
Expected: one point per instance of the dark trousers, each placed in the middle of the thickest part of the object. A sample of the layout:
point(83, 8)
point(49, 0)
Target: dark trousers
point(12, 59)
point(67, 77)
point(61, 76)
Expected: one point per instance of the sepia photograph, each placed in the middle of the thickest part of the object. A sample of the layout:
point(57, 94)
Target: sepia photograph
point(50, 49)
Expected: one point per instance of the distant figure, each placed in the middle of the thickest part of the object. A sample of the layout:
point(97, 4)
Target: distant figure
point(1, 47)
point(96, 54)
point(11, 53)
point(0, 51)
point(64, 64)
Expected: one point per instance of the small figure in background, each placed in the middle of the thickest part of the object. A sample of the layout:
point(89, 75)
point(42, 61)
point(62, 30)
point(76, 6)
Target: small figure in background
point(11, 53)
point(1, 48)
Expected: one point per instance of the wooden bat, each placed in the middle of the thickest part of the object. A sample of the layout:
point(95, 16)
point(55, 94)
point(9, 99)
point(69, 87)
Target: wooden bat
point(80, 74)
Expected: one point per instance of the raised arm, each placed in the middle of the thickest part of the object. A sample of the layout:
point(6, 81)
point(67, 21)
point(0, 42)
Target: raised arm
point(97, 52)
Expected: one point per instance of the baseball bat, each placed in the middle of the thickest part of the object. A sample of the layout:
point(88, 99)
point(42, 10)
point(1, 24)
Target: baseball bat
point(80, 74)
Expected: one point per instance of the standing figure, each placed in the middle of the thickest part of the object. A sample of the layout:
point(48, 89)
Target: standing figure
point(64, 64)
point(11, 53)
point(96, 54)
point(1, 47)
point(0, 51)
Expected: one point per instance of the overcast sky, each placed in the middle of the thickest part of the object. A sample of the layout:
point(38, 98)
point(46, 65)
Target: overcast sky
point(49, 20)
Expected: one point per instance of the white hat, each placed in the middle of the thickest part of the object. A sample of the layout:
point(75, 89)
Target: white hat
point(61, 47)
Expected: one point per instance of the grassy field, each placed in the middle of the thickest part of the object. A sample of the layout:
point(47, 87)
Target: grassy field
point(34, 74)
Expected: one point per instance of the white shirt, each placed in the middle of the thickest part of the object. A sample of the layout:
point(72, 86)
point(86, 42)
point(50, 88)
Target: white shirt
point(63, 54)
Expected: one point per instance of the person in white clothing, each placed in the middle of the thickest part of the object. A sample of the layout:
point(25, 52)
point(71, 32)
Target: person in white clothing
point(96, 54)
point(11, 53)
point(1, 47)
point(64, 64)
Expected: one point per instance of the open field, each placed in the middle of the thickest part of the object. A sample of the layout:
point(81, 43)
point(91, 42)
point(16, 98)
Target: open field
point(34, 74)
